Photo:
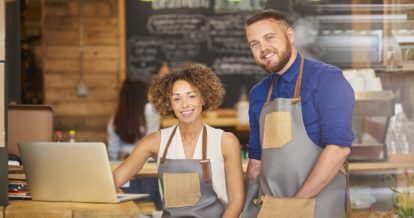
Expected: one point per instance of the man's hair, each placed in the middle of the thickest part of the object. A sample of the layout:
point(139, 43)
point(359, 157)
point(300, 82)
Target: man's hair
point(265, 15)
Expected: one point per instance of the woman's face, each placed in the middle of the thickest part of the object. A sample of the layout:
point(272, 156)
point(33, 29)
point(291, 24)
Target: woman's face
point(186, 102)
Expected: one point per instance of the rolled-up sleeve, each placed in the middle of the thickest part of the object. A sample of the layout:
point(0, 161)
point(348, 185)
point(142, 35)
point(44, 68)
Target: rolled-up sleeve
point(335, 101)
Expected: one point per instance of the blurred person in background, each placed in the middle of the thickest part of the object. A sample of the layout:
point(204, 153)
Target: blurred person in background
point(134, 118)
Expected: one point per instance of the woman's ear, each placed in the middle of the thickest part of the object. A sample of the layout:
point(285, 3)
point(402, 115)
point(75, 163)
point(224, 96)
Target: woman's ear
point(202, 101)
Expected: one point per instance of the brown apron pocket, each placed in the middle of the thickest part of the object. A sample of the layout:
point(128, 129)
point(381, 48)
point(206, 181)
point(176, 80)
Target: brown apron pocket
point(287, 207)
point(181, 189)
point(277, 130)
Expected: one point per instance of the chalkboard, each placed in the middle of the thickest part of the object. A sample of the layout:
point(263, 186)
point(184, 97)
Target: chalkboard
point(204, 31)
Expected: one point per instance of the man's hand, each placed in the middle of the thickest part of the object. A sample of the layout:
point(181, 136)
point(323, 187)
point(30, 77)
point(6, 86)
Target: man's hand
point(326, 167)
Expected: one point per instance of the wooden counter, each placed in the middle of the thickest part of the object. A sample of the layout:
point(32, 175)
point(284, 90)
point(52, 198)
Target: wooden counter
point(394, 162)
point(34, 209)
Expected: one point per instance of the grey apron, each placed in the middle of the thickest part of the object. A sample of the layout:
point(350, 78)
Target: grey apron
point(288, 156)
point(187, 185)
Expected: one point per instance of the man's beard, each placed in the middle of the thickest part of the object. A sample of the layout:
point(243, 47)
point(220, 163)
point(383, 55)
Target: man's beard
point(284, 57)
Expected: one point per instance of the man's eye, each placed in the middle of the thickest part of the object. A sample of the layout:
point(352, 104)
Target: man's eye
point(254, 45)
point(268, 38)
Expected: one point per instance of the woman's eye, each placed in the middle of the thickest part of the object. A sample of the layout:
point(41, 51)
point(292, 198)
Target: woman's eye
point(192, 96)
point(176, 99)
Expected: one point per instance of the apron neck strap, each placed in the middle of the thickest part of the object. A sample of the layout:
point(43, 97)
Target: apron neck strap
point(204, 161)
point(270, 91)
point(297, 85)
point(164, 155)
point(296, 94)
point(204, 143)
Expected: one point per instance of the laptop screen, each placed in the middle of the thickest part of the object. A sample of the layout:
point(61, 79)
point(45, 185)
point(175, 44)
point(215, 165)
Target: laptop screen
point(60, 171)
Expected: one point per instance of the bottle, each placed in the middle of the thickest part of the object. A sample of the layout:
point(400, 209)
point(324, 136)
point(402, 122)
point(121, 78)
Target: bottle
point(242, 107)
point(58, 135)
point(72, 134)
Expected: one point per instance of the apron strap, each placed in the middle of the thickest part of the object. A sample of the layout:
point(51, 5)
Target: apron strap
point(205, 166)
point(168, 145)
point(348, 194)
point(296, 98)
point(270, 91)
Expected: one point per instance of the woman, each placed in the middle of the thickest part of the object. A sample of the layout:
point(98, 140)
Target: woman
point(199, 167)
point(133, 119)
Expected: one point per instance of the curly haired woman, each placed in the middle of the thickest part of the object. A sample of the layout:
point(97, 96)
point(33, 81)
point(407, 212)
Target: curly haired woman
point(199, 167)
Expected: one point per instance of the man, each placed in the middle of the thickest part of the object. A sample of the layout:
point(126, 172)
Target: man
point(300, 127)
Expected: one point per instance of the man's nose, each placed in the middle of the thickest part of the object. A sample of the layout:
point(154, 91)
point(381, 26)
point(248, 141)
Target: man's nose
point(264, 46)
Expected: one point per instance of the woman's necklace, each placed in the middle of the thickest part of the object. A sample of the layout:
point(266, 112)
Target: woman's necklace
point(189, 145)
point(189, 140)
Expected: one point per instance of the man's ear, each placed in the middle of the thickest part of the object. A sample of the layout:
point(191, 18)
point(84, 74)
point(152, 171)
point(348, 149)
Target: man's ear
point(290, 33)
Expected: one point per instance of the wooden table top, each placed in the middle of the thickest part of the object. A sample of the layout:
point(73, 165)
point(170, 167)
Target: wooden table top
point(34, 209)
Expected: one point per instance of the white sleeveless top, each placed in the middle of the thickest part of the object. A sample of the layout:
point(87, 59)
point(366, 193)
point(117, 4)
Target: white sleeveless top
point(176, 151)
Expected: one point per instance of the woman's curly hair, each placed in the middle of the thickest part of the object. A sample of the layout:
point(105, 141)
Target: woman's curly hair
point(199, 76)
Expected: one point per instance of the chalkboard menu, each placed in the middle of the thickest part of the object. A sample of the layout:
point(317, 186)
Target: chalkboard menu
point(204, 31)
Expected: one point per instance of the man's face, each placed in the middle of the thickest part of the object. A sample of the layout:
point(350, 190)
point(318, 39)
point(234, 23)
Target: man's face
point(271, 44)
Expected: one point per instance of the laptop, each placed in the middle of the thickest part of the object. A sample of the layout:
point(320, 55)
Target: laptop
point(70, 172)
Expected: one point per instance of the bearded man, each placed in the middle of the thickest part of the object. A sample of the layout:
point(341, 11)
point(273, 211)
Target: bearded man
point(300, 128)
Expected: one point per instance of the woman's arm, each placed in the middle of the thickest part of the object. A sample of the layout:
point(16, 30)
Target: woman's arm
point(230, 147)
point(146, 147)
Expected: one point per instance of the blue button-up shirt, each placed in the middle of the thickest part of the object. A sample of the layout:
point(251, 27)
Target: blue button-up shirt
point(327, 103)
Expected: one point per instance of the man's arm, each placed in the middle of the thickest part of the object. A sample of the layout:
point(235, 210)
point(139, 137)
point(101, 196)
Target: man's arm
point(253, 168)
point(326, 167)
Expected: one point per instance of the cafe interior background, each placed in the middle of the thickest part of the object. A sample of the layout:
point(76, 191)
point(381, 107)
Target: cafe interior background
point(73, 55)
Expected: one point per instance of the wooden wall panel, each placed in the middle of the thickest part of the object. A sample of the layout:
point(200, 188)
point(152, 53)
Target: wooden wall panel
point(52, 51)
point(2, 71)
point(69, 94)
point(2, 32)
point(99, 8)
point(55, 81)
point(91, 136)
point(83, 109)
point(95, 123)
point(122, 40)
point(59, 37)
point(71, 66)
point(58, 8)
point(100, 35)
point(87, 115)
point(2, 108)
point(65, 24)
